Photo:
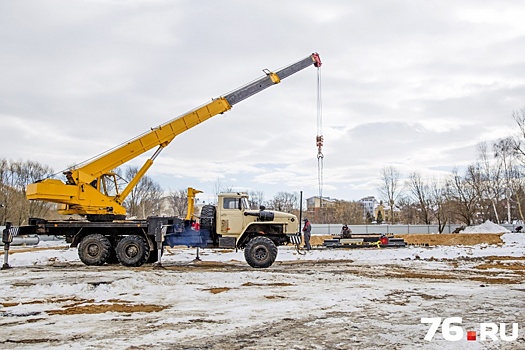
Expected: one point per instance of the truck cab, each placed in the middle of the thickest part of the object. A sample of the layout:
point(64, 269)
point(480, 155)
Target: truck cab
point(236, 219)
point(233, 224)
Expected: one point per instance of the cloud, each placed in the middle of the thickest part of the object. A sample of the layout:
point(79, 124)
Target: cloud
point(409, 84)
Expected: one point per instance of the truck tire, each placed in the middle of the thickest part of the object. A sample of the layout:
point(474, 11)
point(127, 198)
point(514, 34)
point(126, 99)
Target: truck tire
point(94, 250)
point(132, 251)
point(260, 252)
point(207, 217)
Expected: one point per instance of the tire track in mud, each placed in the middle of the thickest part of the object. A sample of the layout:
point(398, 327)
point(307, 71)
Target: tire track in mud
point(501, 270)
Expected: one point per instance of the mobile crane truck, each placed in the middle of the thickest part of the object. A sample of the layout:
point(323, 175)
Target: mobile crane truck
point(103, 235)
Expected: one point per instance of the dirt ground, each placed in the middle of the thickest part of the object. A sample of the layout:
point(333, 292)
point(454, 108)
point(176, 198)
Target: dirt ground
point(349, 303)
point(355, 319)
point(323, 299)
point(445, 239)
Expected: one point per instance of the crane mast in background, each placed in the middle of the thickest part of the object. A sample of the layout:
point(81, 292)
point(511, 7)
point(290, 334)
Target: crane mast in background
point(89, 185)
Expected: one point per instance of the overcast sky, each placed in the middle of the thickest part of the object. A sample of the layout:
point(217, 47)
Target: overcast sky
point(413, 84)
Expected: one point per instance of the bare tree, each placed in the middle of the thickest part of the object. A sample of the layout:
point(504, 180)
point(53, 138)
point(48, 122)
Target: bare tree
point(519, 141)
point(353, 213)
point(420, 193)
point(517, 185)
point(256, 199)
point(440, 206)
point(519, 148)
point(409, 211)
point(345, 212)
point(284, 201)
point(504, 153)
point(518, 190)
point(7, 191)
point(490, 183)
point(144, 198)
point(463, 197)
point(389, 188)
point(14, 177)
point(220, 188)
point(178, 201)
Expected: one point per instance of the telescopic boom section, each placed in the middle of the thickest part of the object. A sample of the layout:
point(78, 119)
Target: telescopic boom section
point(85, 191)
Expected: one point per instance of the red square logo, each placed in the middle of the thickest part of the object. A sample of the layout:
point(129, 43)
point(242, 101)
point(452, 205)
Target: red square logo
point(471, 335)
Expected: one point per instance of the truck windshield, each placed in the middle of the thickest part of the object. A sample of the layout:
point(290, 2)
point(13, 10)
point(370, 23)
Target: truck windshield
point(245, 204)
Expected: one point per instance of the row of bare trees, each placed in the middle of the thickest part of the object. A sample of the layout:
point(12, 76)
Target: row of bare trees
point(341, 211)
point(14, 177)
point(144, 199)
point(491, 188)
point(282, 201)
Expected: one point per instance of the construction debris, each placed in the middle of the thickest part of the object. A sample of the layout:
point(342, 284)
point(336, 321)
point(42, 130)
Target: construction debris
point(364, 241)
point(445, 239)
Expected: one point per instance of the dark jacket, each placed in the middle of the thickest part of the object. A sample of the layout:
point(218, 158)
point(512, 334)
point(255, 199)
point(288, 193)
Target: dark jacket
point(307, 227)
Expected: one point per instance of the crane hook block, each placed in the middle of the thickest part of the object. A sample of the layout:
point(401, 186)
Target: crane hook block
point(319, 143)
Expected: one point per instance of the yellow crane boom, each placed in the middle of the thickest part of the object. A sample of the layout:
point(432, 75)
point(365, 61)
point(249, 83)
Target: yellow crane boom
point(86, 192)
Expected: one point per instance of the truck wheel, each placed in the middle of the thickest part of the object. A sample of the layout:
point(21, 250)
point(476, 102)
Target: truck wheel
point(260, 252)
point(132, 251)
point(94, 249)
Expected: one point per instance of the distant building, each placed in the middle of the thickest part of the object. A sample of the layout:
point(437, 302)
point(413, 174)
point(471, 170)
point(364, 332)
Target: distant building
point(379, 213)
point(370, 204)
point(315, 204)
point(384, 212)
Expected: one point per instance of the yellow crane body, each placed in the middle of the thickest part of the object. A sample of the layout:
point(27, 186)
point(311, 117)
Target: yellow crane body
point(78, 196)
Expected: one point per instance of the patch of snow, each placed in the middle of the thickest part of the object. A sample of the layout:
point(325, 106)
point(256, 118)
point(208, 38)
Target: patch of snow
point(486, 227)
point(514, 239)
point(311, 305)
point(370, 255)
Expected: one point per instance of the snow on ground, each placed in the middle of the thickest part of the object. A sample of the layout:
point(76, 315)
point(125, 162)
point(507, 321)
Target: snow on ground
point(486, 227)
point(326, 299)
point(513, 246)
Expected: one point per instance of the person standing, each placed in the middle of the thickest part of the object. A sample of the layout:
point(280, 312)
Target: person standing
point(307, 230)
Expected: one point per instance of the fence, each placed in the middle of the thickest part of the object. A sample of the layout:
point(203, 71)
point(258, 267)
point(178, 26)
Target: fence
point(331, 229)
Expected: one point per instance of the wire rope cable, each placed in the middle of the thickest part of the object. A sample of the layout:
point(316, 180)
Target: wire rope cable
point(320, 138)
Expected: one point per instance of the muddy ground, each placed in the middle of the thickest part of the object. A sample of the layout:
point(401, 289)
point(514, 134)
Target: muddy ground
point(445, 239)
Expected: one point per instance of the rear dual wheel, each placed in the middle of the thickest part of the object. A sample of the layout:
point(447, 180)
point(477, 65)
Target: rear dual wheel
point(94, 250)
point(132, 251)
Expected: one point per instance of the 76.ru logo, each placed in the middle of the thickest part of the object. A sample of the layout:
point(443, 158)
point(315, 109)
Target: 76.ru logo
point(452, 332)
